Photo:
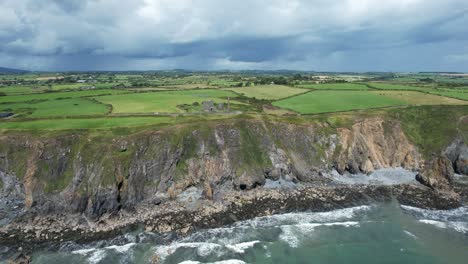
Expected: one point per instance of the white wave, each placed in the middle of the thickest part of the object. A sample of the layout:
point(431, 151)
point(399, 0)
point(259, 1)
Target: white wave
point(461, 227)
point(441, 215)
point(241, 247)
point(97, 256)
point(291, 233)
point(229, 261)
point(84, 252)
point(239, 232)
point(438, 224)
point(298, 218)
point(203, 249)
point(410, 234)
point(122, 249)
point(288, 236)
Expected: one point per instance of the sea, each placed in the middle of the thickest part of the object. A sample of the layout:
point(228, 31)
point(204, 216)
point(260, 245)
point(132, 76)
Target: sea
point(379, 233)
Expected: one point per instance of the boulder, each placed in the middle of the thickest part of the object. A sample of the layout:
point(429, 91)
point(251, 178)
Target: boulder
point(437, 174)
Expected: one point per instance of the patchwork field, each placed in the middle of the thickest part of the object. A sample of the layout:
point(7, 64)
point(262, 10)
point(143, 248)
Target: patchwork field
point(162, 102)
point(56, 108)
point(57, 95)
point(419, 98)
point(453, 94)
point(38, 101)
point(388, 86)
point(335, 101)
point(85, 123)
point(267, 92)
point(12, 90)
point(335, 86)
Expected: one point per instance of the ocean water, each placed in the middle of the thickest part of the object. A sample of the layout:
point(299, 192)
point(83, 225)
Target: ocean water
point(387, 233)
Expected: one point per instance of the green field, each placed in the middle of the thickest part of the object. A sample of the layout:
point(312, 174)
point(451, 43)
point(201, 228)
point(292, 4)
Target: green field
point(56, 108)
point(420, 98)
point(334, 101)
point(85, 123)
point(76, 86)
point(12, 90)
point(453, 94)
point(335, 86)
point(39, 101)
point(268, 92)
point(57, 95)
point(162, 102)
point(389, 86)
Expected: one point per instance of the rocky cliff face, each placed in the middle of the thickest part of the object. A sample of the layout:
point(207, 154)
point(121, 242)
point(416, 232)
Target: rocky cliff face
point(86, 186)
point(101, 175)
point(457, 153)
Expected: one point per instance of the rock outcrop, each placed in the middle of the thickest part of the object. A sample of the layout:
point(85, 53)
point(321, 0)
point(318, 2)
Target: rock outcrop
point(437, 174)
point(457, 152)
point(375, 144)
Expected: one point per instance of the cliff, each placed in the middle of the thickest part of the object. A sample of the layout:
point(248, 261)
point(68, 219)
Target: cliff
point(94, 176)
point(81, 181)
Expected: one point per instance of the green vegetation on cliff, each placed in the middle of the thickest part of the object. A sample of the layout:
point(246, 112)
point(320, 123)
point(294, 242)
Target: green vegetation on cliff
point(432, 128)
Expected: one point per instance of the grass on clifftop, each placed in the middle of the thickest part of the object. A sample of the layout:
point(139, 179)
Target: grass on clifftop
point(56, 108)
point(431, 128)
point(162, 102)
point(336, 101)
point(335, 86)
point(268, 92)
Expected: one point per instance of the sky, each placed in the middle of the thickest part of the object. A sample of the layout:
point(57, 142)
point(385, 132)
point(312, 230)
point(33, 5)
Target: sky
point(310, 35)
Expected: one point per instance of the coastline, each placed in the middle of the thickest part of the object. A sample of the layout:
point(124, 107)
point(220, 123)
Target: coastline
point(173, 219)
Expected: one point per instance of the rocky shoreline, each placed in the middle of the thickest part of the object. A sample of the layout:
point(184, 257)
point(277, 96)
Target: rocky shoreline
point(177, 219)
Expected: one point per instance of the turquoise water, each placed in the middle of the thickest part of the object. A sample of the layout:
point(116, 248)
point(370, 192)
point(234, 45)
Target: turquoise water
point(367, 234)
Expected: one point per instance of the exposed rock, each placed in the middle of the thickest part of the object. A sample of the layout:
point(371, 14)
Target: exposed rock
point(20, 258)
point(373, 144)
point(457, 152)
point(82, 187)
point(95, 176)
point(438, 174)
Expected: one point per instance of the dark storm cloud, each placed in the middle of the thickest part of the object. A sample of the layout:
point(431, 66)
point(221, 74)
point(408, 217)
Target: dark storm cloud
point(211, 34)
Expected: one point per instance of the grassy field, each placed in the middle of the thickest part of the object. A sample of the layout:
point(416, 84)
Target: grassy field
point(75, 86)
point(268, 92)
point(56, 108)
point(84, 123)
point(185, 86)
point(335, 86)
point(162, 102)
point(64, 106)
point(23, 89)
point(334, 101)
point(389, 86)
point(14, 90)
point(419, 98)
point(57, 95)
point(453, 94)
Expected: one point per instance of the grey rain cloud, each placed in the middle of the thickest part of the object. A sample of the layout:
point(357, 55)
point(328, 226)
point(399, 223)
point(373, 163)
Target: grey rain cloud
point(340, 35)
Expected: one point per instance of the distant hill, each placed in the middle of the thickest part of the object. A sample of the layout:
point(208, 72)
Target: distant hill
point(10, 71)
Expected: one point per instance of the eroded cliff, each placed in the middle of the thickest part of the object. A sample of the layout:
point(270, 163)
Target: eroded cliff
point(100, 175)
